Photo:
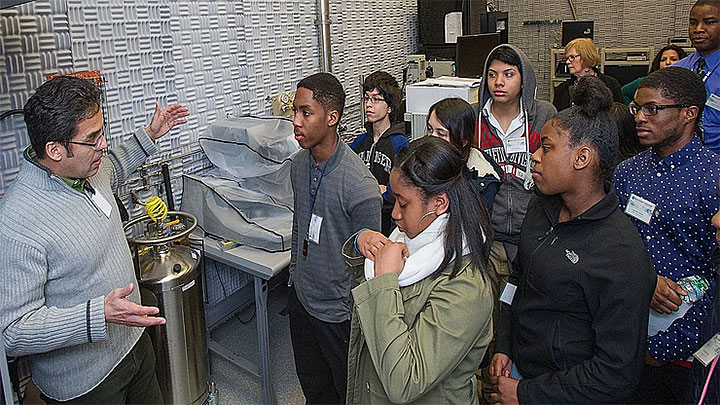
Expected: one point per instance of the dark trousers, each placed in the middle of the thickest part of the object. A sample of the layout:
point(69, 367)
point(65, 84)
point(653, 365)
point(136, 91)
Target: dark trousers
point(132, 382)
point(321, 351)
point(667, 384)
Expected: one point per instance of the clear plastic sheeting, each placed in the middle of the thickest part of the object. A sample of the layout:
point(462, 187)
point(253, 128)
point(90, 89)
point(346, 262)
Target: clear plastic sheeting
point(247, 196)
point(254, 151)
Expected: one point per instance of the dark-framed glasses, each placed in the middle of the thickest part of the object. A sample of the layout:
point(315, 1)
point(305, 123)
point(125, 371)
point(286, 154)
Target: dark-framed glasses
point(652, 108)
point(95, 145)
point(572, 58)
point(372, 100)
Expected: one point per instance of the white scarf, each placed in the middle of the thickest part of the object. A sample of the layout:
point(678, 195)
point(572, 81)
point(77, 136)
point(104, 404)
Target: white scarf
point(426, 252)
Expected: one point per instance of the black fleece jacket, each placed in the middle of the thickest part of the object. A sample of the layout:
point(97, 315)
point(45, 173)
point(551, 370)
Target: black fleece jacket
point(563, 93)
point(577, 326)
point(378, 156)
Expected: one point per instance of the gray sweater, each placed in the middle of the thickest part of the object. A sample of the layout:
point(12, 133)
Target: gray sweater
point(60, 256)
point(348, 199)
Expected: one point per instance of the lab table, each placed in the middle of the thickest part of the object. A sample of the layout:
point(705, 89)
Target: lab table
point(262, 266)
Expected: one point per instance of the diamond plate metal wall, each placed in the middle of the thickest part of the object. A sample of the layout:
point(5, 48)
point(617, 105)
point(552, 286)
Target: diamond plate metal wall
point(617, 23)
point(369, 35)
point(220, 57)
point(282, 48)
point(34, 42)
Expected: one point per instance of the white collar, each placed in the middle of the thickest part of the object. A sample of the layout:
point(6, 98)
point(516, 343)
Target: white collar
point(426, 252)
point(515, 125)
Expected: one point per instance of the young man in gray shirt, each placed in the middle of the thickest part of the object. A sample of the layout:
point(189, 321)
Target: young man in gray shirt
point(335, 196)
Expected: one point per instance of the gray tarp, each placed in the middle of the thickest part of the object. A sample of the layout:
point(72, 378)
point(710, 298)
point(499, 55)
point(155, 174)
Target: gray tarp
point(247, 196)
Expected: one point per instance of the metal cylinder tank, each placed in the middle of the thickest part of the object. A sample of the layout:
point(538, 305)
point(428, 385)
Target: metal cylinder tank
point(170, 279)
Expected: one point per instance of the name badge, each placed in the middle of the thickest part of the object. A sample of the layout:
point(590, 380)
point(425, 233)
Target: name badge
point(314, 231)
point(640, 208)
point(514, 145)
point(101, 203)
point(709, 350)
point(508, 293)
point(713, 101)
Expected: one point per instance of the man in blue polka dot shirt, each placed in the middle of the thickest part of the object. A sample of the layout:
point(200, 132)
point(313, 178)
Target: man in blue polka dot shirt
point(670, 193)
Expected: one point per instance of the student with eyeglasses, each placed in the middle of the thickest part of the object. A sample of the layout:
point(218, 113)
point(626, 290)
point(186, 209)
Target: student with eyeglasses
point(69, 300)
point(669, 192)
point(384, 135)
point(582, 58)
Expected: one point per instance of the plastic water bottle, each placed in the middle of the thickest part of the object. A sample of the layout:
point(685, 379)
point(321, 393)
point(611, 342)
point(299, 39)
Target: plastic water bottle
point(213, 394)
point(695, 286)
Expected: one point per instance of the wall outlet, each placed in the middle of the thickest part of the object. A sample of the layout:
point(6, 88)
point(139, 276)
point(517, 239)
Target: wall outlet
point(283, 104)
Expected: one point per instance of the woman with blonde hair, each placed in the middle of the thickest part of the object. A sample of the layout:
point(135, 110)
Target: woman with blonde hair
point(582, 58)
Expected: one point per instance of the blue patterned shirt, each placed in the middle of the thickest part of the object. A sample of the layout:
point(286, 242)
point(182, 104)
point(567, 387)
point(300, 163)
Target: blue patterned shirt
point(711, 116)
point(680, 237)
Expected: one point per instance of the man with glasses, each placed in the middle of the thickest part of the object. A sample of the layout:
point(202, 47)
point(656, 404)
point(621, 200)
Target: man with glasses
point(68, 299)
point(704, 32)
point(384, 135)
point(669, 192)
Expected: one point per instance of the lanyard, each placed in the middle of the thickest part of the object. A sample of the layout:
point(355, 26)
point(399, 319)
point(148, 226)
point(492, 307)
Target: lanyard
point(313, 198)
point(528, 183)
point(709, 71)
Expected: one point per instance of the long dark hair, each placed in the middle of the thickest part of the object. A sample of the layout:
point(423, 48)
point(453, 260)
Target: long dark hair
point(672, 47)
point(434, 166)
point(460, 119)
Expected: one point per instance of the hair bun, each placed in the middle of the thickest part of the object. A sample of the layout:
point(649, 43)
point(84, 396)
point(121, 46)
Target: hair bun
point(592, 96)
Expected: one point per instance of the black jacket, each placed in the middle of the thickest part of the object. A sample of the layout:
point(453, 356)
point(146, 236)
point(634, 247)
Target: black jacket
point(563, 97)
point(577, 326)
point(486, 175)
point(378, 157)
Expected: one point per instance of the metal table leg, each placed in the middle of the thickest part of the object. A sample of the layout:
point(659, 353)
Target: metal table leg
point(5, 374)
point(261, 295)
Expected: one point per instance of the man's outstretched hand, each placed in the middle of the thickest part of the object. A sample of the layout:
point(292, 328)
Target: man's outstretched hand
point(166, 119)
point(122, 311)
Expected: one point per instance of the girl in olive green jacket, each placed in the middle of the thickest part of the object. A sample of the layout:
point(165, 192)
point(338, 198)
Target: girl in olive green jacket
point(422, 319)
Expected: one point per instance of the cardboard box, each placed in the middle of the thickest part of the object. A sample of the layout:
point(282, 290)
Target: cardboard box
point(420, 96)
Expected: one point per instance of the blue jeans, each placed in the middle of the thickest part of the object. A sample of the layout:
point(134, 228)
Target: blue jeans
point(514, 373)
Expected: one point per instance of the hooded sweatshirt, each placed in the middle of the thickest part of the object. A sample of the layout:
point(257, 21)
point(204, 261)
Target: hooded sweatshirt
point(512, 198)
point(378, 157)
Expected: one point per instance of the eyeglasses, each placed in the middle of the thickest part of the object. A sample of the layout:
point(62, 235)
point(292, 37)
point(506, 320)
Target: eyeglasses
point(652, 108)
point(95, 145)
point(571, 58)
point(372, 100)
